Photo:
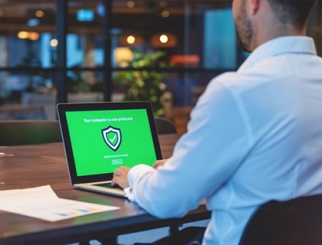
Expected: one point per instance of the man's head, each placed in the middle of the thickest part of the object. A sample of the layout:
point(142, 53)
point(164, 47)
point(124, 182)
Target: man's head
point(294, 12)
point(258, 21)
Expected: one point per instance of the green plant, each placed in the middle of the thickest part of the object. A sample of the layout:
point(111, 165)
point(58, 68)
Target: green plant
point(144, 85)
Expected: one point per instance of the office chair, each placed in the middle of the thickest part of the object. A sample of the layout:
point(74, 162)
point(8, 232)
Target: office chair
point(164, 126)
point(24, 132)
point(294, 222)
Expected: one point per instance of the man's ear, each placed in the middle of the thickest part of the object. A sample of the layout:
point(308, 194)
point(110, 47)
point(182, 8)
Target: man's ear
point(254, 6)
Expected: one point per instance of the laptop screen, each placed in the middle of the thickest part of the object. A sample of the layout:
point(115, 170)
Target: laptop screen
point(104, 140)
point(97, 141)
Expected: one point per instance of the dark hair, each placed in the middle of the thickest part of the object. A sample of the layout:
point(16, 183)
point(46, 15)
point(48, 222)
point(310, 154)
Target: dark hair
point(295, 12)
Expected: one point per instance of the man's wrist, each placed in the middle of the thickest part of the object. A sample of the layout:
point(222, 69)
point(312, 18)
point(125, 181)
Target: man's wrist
point(137, 172)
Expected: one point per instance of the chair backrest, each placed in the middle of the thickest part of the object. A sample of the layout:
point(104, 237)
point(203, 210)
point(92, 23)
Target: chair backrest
point(294, 222)
point(164, 126)
point(24, 132)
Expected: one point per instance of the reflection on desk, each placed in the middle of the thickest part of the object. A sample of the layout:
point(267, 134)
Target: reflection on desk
point(38, 165)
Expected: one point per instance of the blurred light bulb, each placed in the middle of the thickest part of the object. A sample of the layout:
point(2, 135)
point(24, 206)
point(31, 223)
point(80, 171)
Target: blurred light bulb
point(164, 38)
point(23, 34)
point(123, 56)
point(33, 36)
point(54, 43)
point(165, 13)
point(130, 4)
point(130, 39)
point(39, 13)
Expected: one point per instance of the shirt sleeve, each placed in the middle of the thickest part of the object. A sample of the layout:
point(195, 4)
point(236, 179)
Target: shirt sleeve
point(203, 159)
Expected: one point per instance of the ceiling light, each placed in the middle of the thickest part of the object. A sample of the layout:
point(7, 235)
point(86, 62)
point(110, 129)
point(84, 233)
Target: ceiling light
point(130, 39)
point(164, 40)
point(23, 35)
point(54, 43)
point(165, 13)
point(33, 36)
point(39, 13)
point(130, 4)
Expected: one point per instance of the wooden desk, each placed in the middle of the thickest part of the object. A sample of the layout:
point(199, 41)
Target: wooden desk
point(37, 165)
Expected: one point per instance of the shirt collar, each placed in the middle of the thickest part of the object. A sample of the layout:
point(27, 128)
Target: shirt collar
point(278, 46)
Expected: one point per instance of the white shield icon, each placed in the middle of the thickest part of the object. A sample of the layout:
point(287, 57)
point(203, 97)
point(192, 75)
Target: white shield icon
point(112, 137)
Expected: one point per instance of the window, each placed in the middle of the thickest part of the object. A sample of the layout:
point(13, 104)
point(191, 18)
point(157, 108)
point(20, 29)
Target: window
point(160, 50)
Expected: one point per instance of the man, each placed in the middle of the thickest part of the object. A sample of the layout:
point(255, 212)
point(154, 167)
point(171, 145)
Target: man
point(254, 135)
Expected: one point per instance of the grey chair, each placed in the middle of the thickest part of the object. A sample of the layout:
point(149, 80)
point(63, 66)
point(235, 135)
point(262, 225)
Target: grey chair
point(24, 132)
point(295, 222)
point(164, 126)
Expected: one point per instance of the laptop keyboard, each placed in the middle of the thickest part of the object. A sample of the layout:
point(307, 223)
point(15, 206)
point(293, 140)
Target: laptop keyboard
point(109, 186)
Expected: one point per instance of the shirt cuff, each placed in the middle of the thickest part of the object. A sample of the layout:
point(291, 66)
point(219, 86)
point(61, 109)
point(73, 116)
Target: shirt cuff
point(135, 174)
point(129, 194)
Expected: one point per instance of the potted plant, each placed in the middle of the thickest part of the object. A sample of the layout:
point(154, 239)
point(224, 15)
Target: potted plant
point(139, 84)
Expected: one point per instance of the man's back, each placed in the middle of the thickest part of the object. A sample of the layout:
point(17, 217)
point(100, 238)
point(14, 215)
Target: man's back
point(279, 98)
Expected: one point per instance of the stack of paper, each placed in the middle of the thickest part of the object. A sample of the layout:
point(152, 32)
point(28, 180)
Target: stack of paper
point(43, 203)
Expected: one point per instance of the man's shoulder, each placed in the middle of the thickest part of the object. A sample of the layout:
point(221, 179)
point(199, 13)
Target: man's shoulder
point(237, 82)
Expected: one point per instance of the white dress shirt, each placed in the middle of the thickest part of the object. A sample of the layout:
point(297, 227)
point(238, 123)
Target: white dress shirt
point(254, 135)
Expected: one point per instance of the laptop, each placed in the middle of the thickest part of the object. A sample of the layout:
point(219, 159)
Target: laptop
point(100, 137)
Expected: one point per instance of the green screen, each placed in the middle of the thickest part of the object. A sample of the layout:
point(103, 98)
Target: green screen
point(105, 140)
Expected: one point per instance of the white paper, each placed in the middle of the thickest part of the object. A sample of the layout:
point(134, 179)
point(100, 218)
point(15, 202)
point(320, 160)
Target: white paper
point(42, 203)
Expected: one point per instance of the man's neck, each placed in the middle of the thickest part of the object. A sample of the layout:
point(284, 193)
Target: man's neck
point(266, 26)
point(266, 34)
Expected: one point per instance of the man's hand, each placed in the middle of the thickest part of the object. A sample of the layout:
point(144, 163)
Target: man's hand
point(120, 174)
point(120, 177)
point(159, 163)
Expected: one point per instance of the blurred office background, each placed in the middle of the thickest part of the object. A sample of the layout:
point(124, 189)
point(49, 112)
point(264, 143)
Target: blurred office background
point(164, 51)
